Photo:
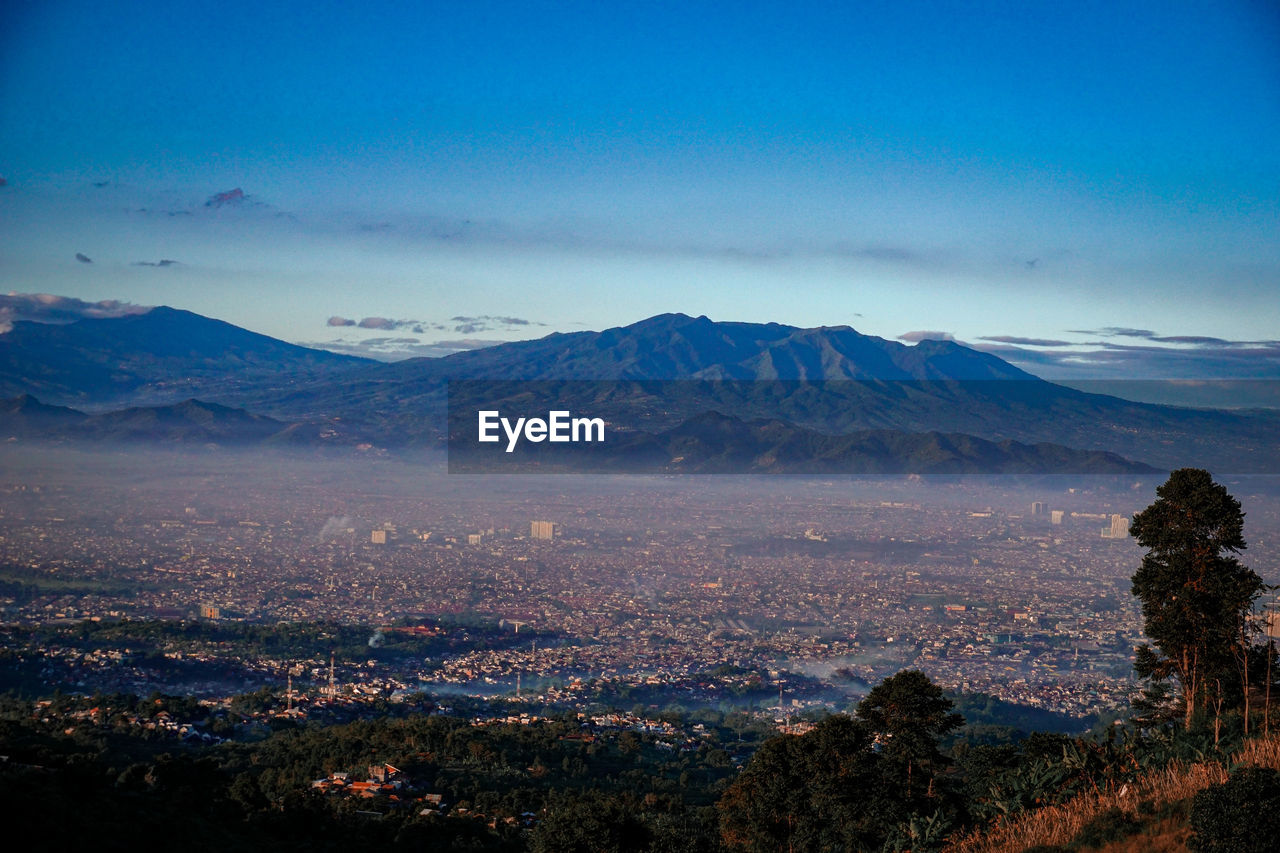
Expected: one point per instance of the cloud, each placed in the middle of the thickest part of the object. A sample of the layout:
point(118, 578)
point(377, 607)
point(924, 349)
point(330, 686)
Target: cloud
point(1115, 332)
point(877, 252)
point(83, 258)
point(232, 196)
point(398, 349)
point(926, 335)
point(163, 262)
point(509, 321)
point(1198, 340)
point(47, 308)
point(1176, 357)
point(461, 344)
point(335, 320)
point(465, 325)
point(1018, 355)
point(1028, 342)
point(385, 323)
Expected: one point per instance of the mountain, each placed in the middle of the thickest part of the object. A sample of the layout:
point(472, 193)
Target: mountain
point(676, 346)
point(649, 377)
point(163, 355)
point(192, 422)
point(713, 443)
point(26, 417)
point(665, 370)
point(401, 401)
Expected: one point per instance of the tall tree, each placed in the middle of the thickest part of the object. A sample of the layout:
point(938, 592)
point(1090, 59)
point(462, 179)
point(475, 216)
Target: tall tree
point(908, 713)
point(1197, 598)
point(817, 791)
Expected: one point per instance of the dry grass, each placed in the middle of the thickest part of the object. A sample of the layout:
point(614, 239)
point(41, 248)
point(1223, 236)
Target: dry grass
point(1167, 835)
point(1058, 825)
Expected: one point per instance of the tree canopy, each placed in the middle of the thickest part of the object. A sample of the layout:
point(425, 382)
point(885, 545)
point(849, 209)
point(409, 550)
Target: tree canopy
point(908, 713)
point(851, 783)
point(1197, 597)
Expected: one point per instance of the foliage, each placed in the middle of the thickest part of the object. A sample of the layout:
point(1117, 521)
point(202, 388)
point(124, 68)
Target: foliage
point(908, 713)
point(1241, 815)
point(591, 824)
point(850, 783)
point(1196, 595)
point(816, 791)
point(875, 781)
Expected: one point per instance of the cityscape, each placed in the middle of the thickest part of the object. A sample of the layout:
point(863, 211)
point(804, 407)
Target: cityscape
point(816, 588)
point(640, 428)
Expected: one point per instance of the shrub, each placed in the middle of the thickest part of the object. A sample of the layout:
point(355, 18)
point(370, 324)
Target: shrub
point(1241, 815)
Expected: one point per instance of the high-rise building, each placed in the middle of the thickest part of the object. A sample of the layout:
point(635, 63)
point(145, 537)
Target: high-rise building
point(1055, 516)
point(378, 537)
point(1119, 528)
point(542, 530)
point(1037, 508)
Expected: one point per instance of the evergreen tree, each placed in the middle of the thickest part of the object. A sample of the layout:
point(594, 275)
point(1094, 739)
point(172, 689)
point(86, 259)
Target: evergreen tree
point(1197, 598)
point(908, 713)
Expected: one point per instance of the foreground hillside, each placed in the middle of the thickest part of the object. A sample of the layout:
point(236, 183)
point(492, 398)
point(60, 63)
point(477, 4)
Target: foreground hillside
point(1151, 813)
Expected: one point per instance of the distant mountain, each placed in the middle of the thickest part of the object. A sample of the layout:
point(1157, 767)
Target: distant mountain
point(649, 377)
point(402, 401)
point(713, 443)
point(831, 380)
point(189, 422)
point(161, 356)
point(676, 346)
point(26, 417)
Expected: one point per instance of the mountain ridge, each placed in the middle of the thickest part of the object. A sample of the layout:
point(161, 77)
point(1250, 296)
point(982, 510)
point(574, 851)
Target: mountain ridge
point(162, 355)
point(678, 346)
point(666, 369)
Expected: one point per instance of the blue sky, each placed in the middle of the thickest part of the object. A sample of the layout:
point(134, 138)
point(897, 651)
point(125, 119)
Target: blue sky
point(1006, 173)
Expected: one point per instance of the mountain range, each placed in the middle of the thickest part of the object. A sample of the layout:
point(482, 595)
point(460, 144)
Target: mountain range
point(162, 356)
point(651, 378)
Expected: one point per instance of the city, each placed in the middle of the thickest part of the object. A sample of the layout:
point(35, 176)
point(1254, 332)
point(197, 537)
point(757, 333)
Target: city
point(809, 590)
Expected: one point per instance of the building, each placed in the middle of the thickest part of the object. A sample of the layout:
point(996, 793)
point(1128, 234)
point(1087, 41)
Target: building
point(1119, 528)
point(542, 530)
point(1055, 516)
point(378, 537)
point(1037, 508)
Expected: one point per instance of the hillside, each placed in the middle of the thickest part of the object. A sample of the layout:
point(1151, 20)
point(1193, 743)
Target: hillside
point(651, 376)
point(161, 356)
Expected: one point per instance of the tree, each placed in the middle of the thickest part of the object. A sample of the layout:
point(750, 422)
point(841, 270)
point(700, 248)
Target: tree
point(817, 791)
point(908, 713)
point(590, 823)
point(1197, 598)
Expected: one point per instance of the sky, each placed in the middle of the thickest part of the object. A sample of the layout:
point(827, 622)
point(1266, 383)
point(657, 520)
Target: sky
point(1087, 189)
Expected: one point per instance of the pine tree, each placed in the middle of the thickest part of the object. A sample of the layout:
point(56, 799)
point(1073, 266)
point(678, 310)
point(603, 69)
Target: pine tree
point(1197, 598)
